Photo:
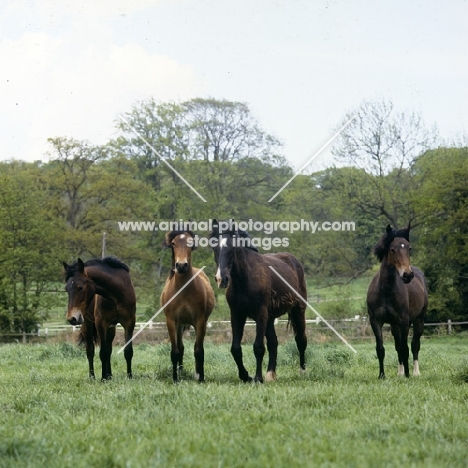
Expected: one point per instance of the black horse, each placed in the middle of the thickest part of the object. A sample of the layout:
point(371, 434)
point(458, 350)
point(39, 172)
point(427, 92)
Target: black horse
point(397, 295)
point(101, 295)
point(255, 291)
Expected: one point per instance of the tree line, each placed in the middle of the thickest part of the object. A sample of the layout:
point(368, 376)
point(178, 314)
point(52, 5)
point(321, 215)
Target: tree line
point(391, 170)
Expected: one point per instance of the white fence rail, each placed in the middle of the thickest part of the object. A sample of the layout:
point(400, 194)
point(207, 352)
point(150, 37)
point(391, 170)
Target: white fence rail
point(355, 328)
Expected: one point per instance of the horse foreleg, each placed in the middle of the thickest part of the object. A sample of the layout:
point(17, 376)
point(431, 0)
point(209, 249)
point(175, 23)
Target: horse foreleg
point(199, 351)
point(379, 347)
point(181, 347)
point(107, 336)
point(87, 331)
point(400, 335)
point(418, 328)
point(175, 355)
point(237, 325)
point(272, 346)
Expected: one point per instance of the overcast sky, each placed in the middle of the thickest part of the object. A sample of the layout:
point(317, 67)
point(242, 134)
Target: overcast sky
point(70, 67)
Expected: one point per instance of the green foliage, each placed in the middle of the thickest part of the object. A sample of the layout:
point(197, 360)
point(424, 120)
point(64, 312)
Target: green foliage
point(441, 202)
point(29, 239)
point(63, 209)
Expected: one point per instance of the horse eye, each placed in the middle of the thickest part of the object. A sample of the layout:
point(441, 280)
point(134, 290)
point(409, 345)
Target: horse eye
point(392, 250)
point(80, 288)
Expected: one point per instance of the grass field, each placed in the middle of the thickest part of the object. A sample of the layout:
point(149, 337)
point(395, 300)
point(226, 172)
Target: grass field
point(336, 414)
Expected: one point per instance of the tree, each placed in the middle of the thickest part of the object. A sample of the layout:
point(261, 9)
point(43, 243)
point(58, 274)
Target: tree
point(441, 202)
point(29, 242)
point(384, 143)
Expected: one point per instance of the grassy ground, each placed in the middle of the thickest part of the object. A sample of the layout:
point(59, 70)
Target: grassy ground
point(335, 414)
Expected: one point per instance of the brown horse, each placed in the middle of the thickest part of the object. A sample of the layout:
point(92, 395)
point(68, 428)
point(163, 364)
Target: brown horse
point(193, 304)
point(101, 295)
point(255, 291)
point(397, 295)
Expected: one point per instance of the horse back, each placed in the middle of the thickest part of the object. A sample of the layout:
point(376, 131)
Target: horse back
point(291, 271)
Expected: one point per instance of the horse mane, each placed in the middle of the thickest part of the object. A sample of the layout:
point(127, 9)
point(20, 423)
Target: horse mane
point(170, 236)
point(381, 248)
point(112, 262)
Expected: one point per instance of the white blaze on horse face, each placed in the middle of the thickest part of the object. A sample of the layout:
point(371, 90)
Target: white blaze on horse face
point(222, 244)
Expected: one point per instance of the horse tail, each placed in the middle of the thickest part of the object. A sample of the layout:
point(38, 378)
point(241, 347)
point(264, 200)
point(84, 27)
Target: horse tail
point(296, 315)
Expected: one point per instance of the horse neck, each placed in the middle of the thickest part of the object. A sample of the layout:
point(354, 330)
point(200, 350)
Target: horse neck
point(180, 280)
point(106, 284)
point(239, 268)
point(388, 275)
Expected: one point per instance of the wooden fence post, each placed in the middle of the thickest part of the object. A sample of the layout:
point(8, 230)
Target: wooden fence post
point(449, 326)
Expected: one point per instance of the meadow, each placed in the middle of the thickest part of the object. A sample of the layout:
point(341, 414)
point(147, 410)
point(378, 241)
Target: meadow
point(335, 414)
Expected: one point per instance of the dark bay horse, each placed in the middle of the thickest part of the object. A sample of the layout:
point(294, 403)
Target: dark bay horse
point(101, 295)
point(193, 304)
point(397, 295)
point(255, 291)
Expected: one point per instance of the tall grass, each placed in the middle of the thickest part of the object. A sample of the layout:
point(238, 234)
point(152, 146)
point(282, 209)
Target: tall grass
point(337, 413)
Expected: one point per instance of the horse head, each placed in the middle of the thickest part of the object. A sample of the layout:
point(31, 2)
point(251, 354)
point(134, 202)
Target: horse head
point(81, 291)
point(181, 243)
point(226, 241)
point(395, 247)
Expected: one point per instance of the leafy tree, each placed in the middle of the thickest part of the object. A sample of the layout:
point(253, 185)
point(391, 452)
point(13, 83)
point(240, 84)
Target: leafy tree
point(441, 201)
point(29, 242)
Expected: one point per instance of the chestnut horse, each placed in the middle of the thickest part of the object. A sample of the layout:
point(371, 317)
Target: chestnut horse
point(101, 295)
point(397, 295)
point(193, 304)
point(254, 290)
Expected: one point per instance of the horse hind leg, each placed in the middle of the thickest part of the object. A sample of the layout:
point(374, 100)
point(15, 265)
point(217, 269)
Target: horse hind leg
point(128, 351)
point(272, 346)
point(298, 323)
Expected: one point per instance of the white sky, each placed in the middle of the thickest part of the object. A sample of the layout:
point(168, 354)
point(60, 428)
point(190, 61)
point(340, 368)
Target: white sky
point(68, 68)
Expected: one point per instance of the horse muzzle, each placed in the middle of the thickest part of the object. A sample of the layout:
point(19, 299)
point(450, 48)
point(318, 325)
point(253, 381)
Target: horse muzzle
point(75, 317)
point(181, 268)
point(407, 277)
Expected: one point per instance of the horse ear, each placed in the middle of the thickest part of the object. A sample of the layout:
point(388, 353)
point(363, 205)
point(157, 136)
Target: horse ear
point(80, 265)
point(243, 234)
point(389, 229)
point(409, 227)
point(215, 227)
point(65, 266)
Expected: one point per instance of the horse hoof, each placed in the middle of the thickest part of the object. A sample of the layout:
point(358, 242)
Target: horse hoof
point(382, 376)
point(270, 376)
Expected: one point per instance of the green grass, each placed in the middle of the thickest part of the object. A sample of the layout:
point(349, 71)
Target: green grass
point(335, 414)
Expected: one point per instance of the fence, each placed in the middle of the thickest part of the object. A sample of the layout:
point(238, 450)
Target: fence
point(356, 328)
